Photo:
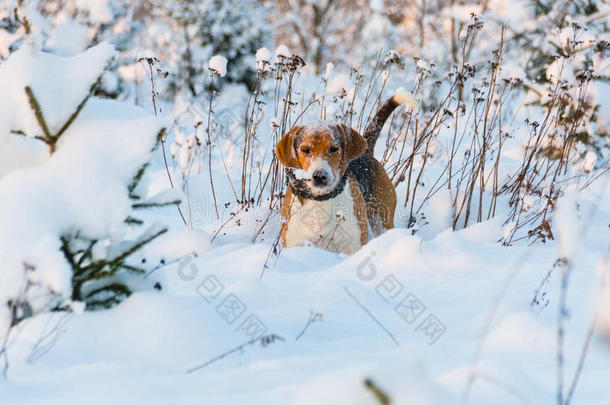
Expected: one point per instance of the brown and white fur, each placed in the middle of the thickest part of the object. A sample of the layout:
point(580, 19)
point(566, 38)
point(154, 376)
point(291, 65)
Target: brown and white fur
point(317, 157)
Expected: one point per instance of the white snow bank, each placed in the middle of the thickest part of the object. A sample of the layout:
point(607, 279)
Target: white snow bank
point(154, 337)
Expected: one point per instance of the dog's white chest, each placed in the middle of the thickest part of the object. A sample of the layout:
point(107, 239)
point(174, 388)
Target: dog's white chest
point(330, 225)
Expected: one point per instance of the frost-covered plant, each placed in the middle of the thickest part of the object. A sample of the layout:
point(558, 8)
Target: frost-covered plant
point(71, 170)
point(455, 143)
point(555, 155)
point(473, 115)
point(284, 70)
point(566, 52)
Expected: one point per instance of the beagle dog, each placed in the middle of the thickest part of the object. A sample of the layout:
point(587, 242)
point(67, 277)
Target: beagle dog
point(337, 191)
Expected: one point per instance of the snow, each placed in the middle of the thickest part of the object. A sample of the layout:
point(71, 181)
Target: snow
point(567, 223)
point(263, 59)
point(446, 311)
point(218, 65)
point(263, 55)
point(339, 85)
point(20, 152)
point(560, 69)
point(281, 54)
point(329, 70)
point(6, 40)
point(99, 10)
point(463, 35)
point(603, 301)
point(423, 65)
point(70, 38)
point(30, 67)
point(301, 174)
point(78, 307)
point(463, 12)
point(146, 54)
point(154, 337)
point(587, 163)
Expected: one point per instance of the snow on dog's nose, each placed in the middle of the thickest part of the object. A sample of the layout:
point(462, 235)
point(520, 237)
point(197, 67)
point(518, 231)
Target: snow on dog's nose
point(322, 176)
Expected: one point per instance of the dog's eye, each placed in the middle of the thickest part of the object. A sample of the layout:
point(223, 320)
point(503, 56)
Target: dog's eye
point(305, 151)
point(333, 149)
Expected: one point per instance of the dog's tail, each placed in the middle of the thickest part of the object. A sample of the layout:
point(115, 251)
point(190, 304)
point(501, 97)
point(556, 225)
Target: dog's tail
point(372, 131)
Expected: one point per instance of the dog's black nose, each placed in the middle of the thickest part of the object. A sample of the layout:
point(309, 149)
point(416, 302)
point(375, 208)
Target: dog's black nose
point(319, 178)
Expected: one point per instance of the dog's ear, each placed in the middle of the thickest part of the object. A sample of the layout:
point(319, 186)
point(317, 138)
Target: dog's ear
point(353, 142)
point(285, 149)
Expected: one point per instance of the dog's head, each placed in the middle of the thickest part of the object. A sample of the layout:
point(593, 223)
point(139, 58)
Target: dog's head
point(322, 152)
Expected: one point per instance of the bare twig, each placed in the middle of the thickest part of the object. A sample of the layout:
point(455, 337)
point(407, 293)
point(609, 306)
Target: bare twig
point(263, 340)
point(313, 317)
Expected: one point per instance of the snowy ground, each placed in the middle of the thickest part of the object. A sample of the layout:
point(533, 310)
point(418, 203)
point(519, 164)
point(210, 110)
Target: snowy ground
point(431, 317)
point(140, 351)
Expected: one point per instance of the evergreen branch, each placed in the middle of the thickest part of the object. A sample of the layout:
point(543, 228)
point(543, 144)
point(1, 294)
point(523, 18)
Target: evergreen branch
point(133, 268)
point(116, 263)
point(107, 268)
point(87, 253)
point(107, 303)
point(78, 109)
point(140, 174)
point(97, 273)
point(49, 138)
point(65, 248)
point(136, 180)
point(137, 206)
point(38, 114)
point(100, 269)
point(116, 288)
point(133, 221)
point(381, 396)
